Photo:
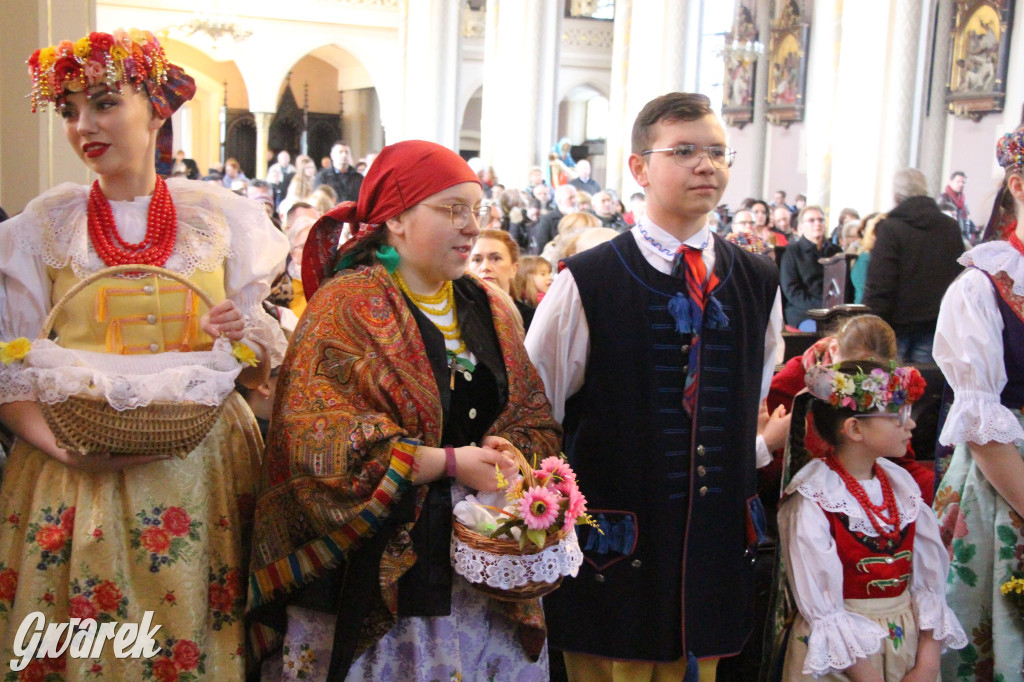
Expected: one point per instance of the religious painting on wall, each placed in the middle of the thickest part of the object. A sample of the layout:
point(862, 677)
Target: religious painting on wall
point(740, 52)
point(979, 58)
point(787, 75)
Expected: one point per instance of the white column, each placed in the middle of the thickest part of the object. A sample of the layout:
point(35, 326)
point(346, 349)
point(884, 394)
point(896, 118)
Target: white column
point(431, 39)
point(617, 150)
point(901, 79)
point(933, 132)
point(34, 155)
point(263, 120)
point(521, 42)
point(823, 59)
point(759, 126)
point(656, 63)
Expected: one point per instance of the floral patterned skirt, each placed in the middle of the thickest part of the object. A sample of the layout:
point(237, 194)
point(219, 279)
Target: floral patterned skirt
point(894, 658)
point(168, 537)
point(986, 542)
point(474, 643)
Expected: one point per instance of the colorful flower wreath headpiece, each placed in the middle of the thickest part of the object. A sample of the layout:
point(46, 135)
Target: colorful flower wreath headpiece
point(125, 56)
point(875, 390)
point(1010, 149)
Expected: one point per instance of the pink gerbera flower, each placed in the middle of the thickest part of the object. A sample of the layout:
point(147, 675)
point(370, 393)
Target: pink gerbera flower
point(577, 506)
point(558, 468)
point(539, 508)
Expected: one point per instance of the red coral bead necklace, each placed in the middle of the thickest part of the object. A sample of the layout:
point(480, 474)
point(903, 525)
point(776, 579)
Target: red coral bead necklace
point(880, 515)
point(161, 229)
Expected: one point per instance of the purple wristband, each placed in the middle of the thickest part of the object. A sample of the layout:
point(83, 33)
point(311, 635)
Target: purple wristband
point(449, 461)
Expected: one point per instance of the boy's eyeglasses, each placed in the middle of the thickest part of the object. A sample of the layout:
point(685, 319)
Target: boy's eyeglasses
point(689, 155)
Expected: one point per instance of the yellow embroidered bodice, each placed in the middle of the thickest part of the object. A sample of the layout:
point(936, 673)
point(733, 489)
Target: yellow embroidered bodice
point(134, 316)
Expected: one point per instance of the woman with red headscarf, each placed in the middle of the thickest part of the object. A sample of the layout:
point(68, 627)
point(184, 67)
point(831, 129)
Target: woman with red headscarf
point(404, 380)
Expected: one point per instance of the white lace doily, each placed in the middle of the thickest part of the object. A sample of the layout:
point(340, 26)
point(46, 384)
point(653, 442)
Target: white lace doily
point(508, 571)
point(130, 381)
point(994, 257)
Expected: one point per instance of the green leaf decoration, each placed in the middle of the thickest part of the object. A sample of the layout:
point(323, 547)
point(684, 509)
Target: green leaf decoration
point(537, 537)
point(963, 552)
point(966, 575)
point(1007, 535)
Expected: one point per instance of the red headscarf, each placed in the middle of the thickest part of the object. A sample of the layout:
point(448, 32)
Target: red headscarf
point(402, 175)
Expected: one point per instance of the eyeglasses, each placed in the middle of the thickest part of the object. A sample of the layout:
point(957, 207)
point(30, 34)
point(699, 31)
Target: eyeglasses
point(743, 222)
point(901, 415)
point(689, 155)
point(460, 213)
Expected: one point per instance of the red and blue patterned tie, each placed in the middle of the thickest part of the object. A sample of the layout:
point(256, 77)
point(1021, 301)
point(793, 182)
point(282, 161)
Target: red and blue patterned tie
point(689, 266)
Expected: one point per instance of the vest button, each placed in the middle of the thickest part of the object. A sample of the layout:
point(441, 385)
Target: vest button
point(700, 450)
point(685, 349)
point(599, 577)
point(701, 471)
point(686, 369)
point(472, 413)
point(703, 490)
point(149, 289)
point(154, 348)
point(636, 563)
point(889, 560)
point(151, 319)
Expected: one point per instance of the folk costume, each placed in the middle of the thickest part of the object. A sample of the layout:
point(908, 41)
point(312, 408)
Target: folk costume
point(979, 339)
point(861, 594)
point(978, 342)
point(168, 536)
point(352, 570)
point(667, 453)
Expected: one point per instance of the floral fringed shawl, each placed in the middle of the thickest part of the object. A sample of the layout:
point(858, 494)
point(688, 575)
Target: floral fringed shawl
point(355, 395)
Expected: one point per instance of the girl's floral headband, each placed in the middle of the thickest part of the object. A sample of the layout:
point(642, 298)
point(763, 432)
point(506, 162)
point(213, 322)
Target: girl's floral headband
point(110, 59)
point(876, 390)
point(1010, 149)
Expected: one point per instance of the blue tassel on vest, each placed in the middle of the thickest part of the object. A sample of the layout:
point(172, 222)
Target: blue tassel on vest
point(716, 317)
point(686, 313)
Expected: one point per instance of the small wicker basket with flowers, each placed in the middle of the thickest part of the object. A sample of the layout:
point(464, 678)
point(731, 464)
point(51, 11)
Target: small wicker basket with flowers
point(109, 404)
point(517, 544)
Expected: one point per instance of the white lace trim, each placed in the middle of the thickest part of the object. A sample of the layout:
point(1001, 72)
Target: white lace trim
point(994, 257)
point(129, 381)
point(818, 483)
point(838, 640)
point(979, 417)
point(508, 571)
point(932, 613)
point(203, 241)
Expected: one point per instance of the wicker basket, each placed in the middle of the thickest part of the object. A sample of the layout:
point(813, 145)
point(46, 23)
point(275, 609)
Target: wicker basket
point(89, 425)
point(510, 547)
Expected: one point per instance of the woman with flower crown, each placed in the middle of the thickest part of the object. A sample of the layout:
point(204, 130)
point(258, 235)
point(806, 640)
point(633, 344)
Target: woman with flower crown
point(112, 538)
point(979, 345)
point(861, 548)
point(405, 382)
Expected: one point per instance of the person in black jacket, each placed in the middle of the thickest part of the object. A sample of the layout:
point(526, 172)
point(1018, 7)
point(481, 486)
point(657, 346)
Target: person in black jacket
point(800, 274)
point(912, 264)
point(341, 176)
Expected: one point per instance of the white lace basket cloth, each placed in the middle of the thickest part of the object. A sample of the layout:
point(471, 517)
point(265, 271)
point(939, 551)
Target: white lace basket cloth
point(94, 402)
point(504, 572)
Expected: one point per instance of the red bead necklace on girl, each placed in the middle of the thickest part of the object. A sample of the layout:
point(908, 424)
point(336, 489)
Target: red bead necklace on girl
point(161, 229)
point(880, 515)
point(1015, 241)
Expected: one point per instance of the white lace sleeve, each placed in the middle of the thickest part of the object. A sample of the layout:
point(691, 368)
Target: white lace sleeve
point(969, 350)
point(24, 299)
point(928, 589)
point(838, 637)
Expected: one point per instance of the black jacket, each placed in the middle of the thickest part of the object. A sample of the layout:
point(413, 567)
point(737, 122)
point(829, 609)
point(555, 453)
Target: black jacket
point(547, 227)
point(802, 277)
point(912, 264)
point(345, 183)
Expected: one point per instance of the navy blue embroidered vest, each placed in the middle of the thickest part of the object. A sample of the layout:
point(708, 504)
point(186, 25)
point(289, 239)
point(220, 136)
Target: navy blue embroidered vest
point(674, 571)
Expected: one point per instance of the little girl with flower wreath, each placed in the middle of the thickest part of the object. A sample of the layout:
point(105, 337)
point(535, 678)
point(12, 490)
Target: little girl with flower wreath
point(863, 554)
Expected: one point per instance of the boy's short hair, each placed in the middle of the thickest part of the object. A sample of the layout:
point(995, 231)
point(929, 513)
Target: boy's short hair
point(675, 106)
